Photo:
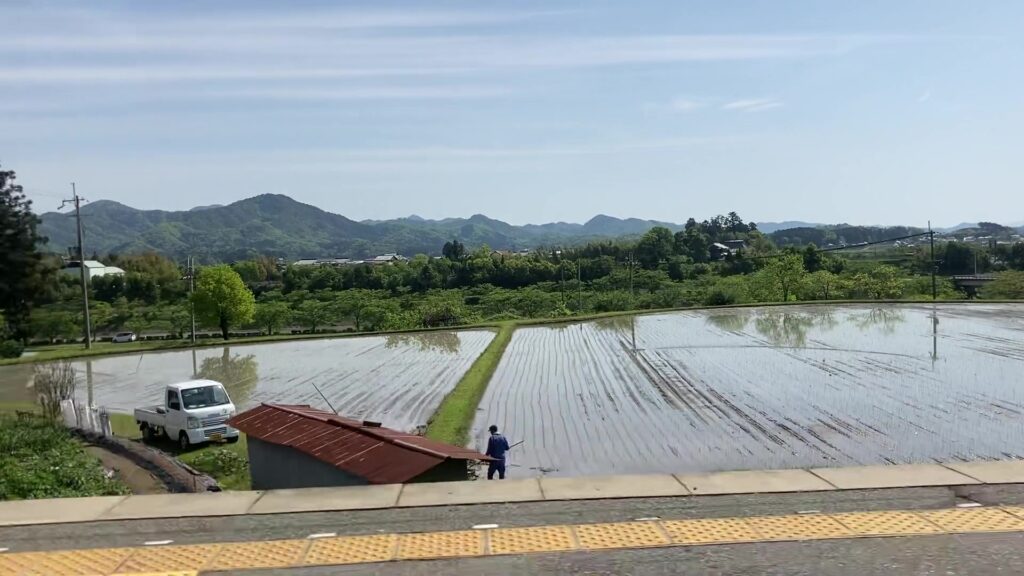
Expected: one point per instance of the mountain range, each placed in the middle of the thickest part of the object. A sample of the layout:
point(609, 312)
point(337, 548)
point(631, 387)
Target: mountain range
point(277, 225)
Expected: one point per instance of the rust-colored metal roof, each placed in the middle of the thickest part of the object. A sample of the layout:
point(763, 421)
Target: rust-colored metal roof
point(380, 455)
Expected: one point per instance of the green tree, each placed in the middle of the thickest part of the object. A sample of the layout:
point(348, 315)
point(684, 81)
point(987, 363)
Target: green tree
point(823, 285)
point(221, 298)
point(313, 313)
point(21, 266)
point(272, 316)
point(782, 276)
point(1008, 285)
point(453, 250)
point(249, 271)
point(655, 247)
point(887, 283)
point(53, 324)
point(100, 315)
point(813, 259)
point(180, 319)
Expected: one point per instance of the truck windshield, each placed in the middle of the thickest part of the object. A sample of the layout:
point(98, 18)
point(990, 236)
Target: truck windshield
point(203, 397)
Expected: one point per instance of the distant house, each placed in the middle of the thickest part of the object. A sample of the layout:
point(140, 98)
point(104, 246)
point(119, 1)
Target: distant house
point(386, 259)
point(324, 262)
point(302, 447)
point(94, 268)
point(735, 245)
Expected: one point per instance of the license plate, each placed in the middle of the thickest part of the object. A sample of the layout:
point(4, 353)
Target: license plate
point(216, 436)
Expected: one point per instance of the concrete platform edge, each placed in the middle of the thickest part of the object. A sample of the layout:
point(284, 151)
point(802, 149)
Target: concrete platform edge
point(78, 510)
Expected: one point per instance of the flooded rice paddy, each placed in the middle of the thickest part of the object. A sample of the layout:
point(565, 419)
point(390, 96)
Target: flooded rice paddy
point(762, 388)
point(398, 380)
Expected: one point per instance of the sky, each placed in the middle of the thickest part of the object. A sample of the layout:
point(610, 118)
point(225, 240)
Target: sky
point(867, 112)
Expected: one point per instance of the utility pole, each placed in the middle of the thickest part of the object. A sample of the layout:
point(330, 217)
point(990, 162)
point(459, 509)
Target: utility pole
point(191, 290)
point(931, 237)
point(630, 274)
point(579, 286)
point(77, 201)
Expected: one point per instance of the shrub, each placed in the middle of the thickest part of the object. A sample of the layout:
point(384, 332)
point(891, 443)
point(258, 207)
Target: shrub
point(11, 349)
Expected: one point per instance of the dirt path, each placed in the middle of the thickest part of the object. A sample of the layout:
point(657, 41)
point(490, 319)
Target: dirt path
point(138, 479)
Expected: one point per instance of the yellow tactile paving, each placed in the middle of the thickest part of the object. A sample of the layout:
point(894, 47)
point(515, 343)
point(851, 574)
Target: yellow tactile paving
point(352, 550)
point(1017, 511)
point(974, 520)
point(169, 558)
point(710, 531)
point(192, 559)
point(621, 535)
point(272, 554)
point(886, 523)
point(798, 527)
point(441, 544)
point(188, 573)
point(537, 539)
point(64, 563)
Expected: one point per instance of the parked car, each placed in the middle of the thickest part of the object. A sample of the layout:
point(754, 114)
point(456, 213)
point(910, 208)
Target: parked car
point(122, 337)
point(193, 412)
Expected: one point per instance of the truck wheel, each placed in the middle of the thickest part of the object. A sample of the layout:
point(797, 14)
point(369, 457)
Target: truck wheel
point(147, 433)
point(183, 442)
point(232, 439)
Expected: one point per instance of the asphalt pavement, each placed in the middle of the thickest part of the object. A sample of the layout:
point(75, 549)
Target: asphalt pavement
point(115, 533)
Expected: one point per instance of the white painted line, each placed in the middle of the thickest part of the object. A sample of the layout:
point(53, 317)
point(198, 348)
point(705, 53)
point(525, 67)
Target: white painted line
point(157, 542)
point(484, 526)
point(322, 535)
point(2, 550)
point(647, 518)
point(969, 505)
point(808, 511)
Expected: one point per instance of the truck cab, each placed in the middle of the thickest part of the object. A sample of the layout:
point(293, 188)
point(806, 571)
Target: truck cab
point(193, 412)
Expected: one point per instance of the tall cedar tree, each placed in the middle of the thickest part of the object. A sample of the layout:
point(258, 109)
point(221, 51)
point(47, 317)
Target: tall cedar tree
point(21, 265)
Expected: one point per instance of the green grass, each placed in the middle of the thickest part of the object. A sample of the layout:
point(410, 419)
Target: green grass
point(228, 464)
point(453, 418)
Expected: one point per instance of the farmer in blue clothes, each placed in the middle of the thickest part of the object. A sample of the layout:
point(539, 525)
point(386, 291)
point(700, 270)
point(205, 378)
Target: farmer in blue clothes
point(497, 445)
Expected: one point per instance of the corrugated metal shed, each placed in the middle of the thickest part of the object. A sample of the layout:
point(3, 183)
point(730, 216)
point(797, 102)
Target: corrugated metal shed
point(380, 455)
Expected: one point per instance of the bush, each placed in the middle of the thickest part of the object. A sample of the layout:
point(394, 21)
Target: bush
point(39, 459)
point(11, 349)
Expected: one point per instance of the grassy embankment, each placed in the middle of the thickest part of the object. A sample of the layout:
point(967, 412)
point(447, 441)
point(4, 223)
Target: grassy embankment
point(452, 420)
point(40, 459)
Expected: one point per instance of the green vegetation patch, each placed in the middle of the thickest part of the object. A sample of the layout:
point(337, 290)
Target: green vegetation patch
point(454, 417)
point(40, 459)
point(227, 463)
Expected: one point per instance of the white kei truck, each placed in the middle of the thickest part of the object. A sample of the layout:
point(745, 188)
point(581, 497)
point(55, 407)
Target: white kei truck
point(193, 412)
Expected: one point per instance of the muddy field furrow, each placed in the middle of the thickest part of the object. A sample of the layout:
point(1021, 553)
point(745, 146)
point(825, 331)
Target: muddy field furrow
point(398, 380)
point(762, 388)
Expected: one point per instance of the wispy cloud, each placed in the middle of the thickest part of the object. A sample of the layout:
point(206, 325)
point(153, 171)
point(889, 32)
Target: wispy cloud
point(925, 96)
point(685, 105)
point(752, 105)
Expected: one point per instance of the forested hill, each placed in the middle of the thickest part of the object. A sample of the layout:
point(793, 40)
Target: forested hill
point(838, 235)
point(277, 225)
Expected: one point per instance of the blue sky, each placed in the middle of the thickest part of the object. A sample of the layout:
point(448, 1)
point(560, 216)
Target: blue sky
point(874, 112)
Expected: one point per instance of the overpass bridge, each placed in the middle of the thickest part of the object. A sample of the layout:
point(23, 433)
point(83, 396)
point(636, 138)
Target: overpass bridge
point(971, 283)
